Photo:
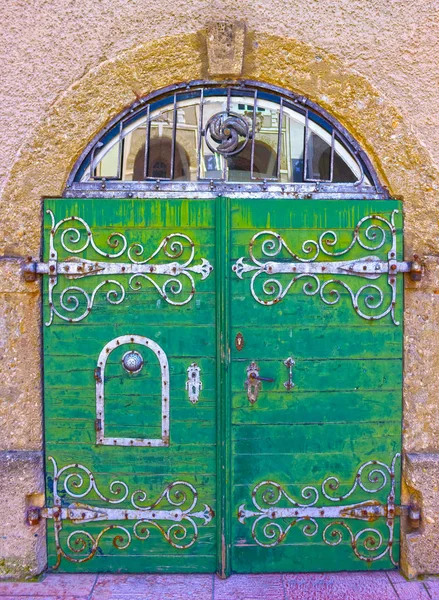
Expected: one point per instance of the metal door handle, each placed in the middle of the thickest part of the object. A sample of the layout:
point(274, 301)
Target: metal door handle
point(289, 363)
point(261, 378)
point(253, 382)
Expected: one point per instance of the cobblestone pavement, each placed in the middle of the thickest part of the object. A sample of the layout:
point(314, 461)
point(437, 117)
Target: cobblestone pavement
point(311, 586)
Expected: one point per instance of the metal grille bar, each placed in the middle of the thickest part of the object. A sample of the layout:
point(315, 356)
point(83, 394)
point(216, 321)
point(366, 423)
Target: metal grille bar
point(100, 184)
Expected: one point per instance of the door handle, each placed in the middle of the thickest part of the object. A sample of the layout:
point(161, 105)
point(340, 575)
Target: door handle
point(253, 382)
point(262, 378)
point(289, 363)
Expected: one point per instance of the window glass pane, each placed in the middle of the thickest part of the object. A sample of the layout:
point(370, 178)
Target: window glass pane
point(186, 142)
point(293, 149)
point(211, 163)
point(264, 125)
point(346, 169)
point(107, 162)
point(160, 144)
point(206, 141)
point(318, 157)
point(133, 164)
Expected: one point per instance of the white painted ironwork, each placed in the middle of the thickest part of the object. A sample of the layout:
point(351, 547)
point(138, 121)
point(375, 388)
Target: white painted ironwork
point(194, 385)
point(100, 393)
point(75, 241)
point(273, 506)
point(175, 513)
point(306, 266)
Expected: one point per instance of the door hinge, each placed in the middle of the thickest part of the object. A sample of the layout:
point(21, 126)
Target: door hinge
point(79, 268)
point(98, 374)
point(412, 512)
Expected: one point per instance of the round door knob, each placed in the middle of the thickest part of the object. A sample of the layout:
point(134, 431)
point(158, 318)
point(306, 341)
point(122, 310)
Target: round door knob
point(132, 361)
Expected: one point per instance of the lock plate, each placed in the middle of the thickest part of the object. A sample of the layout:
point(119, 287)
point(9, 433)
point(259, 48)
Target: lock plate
point(239, 341)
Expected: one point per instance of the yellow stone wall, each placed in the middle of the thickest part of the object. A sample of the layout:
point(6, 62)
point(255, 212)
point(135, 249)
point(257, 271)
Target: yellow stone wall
point(70, 67)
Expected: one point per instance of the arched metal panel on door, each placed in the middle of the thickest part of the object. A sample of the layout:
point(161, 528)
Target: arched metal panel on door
point(132, 362)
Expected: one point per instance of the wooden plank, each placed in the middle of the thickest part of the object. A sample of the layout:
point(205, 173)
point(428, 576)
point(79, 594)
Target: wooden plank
point(324, 375)
point(299, 406)
point(256, 213)
point(303, 558)
point(302, 341)
point(312, 437)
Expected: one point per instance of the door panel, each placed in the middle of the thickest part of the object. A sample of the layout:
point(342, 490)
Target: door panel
point(333, 439)
point(146, 475)
point(163, 498)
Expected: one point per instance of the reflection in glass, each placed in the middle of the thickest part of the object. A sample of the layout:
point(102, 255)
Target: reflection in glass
point(284, 143)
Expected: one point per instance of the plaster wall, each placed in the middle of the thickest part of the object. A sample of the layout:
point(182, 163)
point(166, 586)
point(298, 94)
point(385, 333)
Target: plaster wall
point(67, 68)
point(47, 45)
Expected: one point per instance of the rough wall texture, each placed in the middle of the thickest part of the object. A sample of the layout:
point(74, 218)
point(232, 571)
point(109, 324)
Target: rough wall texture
point(24, 546)
point(79, 64)
point(48, 45)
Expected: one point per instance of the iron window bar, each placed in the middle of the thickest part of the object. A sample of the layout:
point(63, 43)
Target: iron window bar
point(108, 186)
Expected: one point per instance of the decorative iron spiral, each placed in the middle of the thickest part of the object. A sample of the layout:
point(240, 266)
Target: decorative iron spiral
point(230, 131)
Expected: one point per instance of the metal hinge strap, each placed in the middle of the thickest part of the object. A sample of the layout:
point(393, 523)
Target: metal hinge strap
point(77, 269)
point(367, 511)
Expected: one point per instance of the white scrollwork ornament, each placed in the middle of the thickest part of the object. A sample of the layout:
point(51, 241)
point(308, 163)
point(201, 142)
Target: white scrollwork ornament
point(275, 512)
point(75, 303)
point(174, 514)
point(276, 277)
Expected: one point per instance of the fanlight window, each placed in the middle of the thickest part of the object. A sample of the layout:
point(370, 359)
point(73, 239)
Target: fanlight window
point(233, 135)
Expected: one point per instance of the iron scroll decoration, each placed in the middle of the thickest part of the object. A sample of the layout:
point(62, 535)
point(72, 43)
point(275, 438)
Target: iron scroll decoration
point(274, 512)
point(75, 303)
point(175, 513)
point(230, 131)
point(371, 233)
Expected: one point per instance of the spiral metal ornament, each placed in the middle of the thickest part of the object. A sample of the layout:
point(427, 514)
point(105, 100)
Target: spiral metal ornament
point(230, 131)
point(273, 512)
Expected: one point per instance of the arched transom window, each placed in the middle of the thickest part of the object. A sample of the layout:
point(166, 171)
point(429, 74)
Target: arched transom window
point(241, 138)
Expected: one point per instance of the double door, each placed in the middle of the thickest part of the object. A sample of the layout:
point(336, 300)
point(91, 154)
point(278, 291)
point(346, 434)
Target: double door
point(222, 384)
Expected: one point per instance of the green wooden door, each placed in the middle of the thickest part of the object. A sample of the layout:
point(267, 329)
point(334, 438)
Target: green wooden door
point(131, 453)
point(222, 384)
point(314, 455)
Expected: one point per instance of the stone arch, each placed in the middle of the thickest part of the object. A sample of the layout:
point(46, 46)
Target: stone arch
point(43, 165)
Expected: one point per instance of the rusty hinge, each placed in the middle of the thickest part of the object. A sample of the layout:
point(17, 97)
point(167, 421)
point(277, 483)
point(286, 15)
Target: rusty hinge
point(33, 515)
point(412, 512)
point(98, 424)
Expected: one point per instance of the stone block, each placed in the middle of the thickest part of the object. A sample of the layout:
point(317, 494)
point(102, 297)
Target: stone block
point(420, 548)
point(20, 370)
point(23, 547)
point(225, 48)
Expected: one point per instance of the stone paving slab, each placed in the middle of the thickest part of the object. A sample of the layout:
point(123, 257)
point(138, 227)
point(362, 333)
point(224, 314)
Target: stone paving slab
point(433, 588)
point(291, 586)
point(338, 586)
point(249, 587)
point(61, 586)
point(153, 587)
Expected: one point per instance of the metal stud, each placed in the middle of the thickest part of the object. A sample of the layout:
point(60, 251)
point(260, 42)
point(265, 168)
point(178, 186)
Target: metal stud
point(132, 361)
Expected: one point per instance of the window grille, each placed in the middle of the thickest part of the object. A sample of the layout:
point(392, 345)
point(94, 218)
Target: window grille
point(246, 138)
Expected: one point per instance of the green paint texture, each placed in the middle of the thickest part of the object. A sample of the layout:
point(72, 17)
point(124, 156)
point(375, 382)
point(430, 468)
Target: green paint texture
point(344, 410)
